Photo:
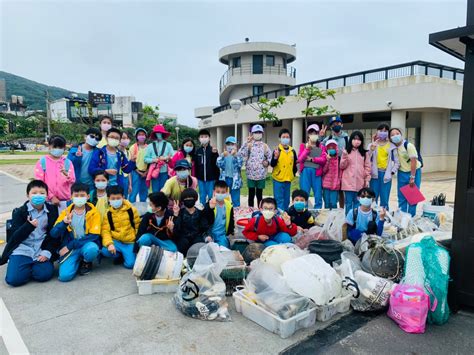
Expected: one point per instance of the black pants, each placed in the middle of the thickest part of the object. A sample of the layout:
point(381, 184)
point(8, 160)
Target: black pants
point(252, 192)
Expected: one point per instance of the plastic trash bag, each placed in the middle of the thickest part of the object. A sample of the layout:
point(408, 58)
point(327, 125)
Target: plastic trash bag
point(276, 255)
point(382, 259)
point(427, 265)
point(267, 288)
point(374, 292)
point(333, 228)
point(306, 237)
point(201, 293)
point(312, 277)
point(350, 263)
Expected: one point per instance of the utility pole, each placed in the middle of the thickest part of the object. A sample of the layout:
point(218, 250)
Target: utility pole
point(48, 114)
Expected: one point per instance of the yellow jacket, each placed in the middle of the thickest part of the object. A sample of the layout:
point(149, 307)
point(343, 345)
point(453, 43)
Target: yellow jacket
point(92, 219)
point(284, 167)
point(122, 230)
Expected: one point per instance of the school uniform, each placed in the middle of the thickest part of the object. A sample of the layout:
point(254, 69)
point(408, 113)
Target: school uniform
point(153, 230)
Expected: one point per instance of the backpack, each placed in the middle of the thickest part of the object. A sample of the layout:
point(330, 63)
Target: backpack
point(258, 216)
point(111, 220)
point(419, 157)
point(371, 226)
point(165, 144)
point(67, 164)
point(346, 138)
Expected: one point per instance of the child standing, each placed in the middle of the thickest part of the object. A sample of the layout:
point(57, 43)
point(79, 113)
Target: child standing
point(30, 250)
point(57, 172)
point(98, 196)
point(331, 175)
point(312, 158)
point(364, 219)
point(78, 228)
point(119, 228)
point(384, 164)
point(258, 157)
point(105, 125)
point(299, 210)
point(153, 229)
point(123, 147)
point(356, 167)
point(283, 162)
point(205, 163)
point(189, 225)
point(268, 228)
point(137, 155)
point(223, 226)
point(230, 164)
point(185, 152)
point(158, 154)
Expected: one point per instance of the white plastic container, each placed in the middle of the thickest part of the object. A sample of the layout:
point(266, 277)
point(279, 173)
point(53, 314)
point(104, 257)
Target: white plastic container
point(338, 305)
point(432, 212)
point(283, 327)
point(148, 287)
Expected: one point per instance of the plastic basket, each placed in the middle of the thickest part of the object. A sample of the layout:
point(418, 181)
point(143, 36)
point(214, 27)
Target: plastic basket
point(148, 287)
point(338, 305)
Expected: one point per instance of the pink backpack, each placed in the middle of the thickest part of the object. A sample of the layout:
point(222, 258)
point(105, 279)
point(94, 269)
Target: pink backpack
point(409, 306)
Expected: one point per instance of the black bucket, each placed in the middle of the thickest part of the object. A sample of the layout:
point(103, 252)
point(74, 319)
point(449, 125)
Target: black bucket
point(329, 250)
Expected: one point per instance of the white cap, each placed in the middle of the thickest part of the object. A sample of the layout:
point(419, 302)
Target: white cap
point(257, 128)
point(331, 141)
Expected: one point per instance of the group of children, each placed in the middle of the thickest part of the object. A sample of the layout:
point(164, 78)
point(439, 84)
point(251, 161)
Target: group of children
point(77, 209)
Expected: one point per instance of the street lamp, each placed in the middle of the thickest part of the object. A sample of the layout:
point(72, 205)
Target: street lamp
point(177, 137)
point(235, 104)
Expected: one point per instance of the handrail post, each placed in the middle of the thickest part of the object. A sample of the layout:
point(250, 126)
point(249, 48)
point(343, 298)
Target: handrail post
point(363, 78)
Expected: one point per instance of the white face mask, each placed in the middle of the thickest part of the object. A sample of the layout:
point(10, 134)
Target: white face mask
point(313, 137)
point(258, 136)
point(105, 127)
point(268, 214)
point(204, 140)
point(113, 142)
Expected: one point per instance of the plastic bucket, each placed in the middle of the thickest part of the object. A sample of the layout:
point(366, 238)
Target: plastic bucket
point(431, 212)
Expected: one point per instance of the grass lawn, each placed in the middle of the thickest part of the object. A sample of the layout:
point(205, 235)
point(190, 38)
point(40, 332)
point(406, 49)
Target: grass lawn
point(268, 191)
point(18, 162)
point(8, 152)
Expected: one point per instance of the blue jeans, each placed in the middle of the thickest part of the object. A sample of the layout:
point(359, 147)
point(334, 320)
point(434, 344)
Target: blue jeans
point(149, 239)
point(350, 200)
point(281, 192)
point(69, 266)
point(22, 269)
point(138, 188)
point(158, 183)
point(206, 189)
point(404, 179)
point(124, 249)
point(125, 183)
point(308, 181)
point(279, 238)
point(234, 194)
point(330, 198)
point(381, 189)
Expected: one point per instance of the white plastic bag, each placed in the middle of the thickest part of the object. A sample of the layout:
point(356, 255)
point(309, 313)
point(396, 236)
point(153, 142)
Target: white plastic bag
point(374, 292)
point(307, 236)
point(332, 229)
point(201, 293)
point(276, 255)
point(312, 277)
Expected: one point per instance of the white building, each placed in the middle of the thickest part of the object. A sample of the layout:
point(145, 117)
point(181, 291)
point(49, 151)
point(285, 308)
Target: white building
point(126, 110)
point(421, 98)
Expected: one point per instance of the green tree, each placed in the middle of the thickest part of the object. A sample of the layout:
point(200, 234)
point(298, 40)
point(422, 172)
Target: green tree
point(313, 93)
point(265, 108)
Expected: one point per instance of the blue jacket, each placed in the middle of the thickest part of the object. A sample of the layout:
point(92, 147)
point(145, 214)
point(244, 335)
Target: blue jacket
point(99, 162)
point(77, 161)
point(237, 162)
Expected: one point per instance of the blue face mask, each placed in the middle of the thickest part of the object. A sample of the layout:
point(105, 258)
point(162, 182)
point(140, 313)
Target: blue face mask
point(188, 149)
point(91, 141)
point(38, 199)
point(57, 152)
point(332, 152)
point(116, 203)
point(396, 138)
point(285, 141)
point(221, 197)
point(299, 205)
point(159, 136)
point(101, 185)
point(365, 201)
point(182, 174)
point(79, 201)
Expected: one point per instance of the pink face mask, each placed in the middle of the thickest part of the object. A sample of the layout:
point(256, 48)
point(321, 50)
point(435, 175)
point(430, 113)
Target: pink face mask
point(356, 143)
point(141, 139)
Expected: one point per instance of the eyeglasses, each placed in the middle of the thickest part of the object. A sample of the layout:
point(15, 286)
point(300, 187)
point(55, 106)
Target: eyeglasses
point(93, 136)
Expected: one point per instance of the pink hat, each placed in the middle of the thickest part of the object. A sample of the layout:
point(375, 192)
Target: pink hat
point(313, 126)
point(159, 128)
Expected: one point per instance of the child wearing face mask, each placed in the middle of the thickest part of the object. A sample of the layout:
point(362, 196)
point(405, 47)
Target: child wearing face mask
point(119, 228)
point(138, 176)
point(331, 175)
point(186, 151)
point(364, 219)
point(57, 172)
point(284, 161)
point(111, 159)
point(230, 164)
point(153, 229)
point(30, 251)
point(258, 156)
point(190, 225)
point(78, 229)
point(268, 228)
point(206, 168)
point(98, 196)
point(81, 156)
point(384, 164)
point(312, 158)
point(123, 147)
point(223, 226)
point(356, 167)
point(182, 180)
point(298, 212)
point(105, 125)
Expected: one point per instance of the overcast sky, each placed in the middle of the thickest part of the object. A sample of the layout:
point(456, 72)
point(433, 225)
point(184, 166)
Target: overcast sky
point(166, 52)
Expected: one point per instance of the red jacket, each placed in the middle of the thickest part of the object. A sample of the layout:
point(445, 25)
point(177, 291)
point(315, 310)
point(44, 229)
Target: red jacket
point(265, 229)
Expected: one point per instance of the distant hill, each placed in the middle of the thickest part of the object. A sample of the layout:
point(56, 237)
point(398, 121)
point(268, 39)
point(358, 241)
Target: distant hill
point(33, 92)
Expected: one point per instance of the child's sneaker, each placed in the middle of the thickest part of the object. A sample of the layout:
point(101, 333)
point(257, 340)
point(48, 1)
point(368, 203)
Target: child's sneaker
point(85, 268)
point(118, 260)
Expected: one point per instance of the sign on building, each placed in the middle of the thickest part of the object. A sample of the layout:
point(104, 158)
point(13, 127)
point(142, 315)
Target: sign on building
point(96, 98)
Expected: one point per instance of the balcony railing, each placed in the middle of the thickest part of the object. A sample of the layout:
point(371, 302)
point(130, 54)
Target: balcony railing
point(249, 69)
point(368, 76)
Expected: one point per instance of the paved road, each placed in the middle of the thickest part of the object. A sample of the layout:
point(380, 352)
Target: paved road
point(12, 193)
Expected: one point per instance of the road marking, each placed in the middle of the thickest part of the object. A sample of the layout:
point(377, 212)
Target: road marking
point(14, 177)
point(10, 335)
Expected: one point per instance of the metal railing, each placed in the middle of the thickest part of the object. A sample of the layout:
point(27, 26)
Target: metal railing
point(249, 69)
point(395, 71)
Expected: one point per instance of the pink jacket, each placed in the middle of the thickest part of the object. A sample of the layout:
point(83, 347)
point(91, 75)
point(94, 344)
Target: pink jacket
point(321, 160)
point(355, 171)
point(59, 185)
point(332, 174)
point(179, 155)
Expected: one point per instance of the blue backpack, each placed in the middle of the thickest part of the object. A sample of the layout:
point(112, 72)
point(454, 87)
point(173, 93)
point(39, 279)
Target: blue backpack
point(259, 215)
point(67, 164)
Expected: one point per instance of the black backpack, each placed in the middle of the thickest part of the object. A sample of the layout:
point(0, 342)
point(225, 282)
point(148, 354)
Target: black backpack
point(419, 157)
point(130, 217)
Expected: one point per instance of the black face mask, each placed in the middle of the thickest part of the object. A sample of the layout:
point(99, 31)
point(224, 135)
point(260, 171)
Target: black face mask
point(189, 203)
point(337, 129)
